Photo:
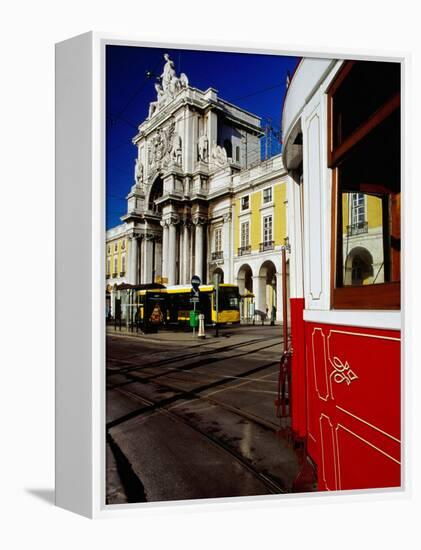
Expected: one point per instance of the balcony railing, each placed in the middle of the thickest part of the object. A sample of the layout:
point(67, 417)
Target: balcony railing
point(244, 250)
point(122, 273)
point(357, 229)
point(268, 245)
point(115, 275)
point(218, 255)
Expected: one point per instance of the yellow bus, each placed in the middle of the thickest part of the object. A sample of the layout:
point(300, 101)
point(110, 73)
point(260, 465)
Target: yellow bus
point(179, 304)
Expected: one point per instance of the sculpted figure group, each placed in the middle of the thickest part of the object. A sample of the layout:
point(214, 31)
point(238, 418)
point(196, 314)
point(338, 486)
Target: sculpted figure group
point(168, 87)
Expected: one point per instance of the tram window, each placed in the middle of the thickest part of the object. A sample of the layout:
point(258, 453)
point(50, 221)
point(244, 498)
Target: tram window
point(365, 158)
point(362, 89)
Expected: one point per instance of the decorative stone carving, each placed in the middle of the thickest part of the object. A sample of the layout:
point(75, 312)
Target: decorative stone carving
point(199, 220)
point(138, 172)
point(186, 221)
point(154, 106)
point(173, 219)
point(219, 155)
point(170, 219)
point(160, 148)
point(177, 150)
point(203, 148)
point(169, 86)
point(148, 236)
point(227, 217)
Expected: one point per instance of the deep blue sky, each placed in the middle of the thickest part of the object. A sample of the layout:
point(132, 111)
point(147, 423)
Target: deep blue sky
point(252, 81)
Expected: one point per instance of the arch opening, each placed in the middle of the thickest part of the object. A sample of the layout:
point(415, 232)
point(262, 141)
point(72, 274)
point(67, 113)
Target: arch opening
point(155, 193)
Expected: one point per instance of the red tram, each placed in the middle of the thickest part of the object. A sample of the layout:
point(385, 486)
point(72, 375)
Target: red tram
point(341, 132)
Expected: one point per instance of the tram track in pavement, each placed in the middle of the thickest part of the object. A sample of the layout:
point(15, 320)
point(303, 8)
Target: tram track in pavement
point(192, 395)
point(272, 485)
point(186, 368)
point(182, 394)
point(177, 358)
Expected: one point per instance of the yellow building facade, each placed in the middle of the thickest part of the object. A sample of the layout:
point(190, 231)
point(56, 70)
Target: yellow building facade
point(259, 232)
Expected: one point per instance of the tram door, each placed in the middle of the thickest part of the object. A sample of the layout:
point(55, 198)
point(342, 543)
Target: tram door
point(353, 393)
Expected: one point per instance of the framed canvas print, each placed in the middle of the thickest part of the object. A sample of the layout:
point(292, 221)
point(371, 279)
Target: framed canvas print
point(228, 274)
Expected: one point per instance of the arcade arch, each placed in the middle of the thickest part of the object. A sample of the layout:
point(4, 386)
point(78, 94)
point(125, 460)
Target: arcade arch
point(358, 267)
point(217, 271)
point(245, 286)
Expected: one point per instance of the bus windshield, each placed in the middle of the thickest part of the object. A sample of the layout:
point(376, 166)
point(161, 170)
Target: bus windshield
point(228, 298)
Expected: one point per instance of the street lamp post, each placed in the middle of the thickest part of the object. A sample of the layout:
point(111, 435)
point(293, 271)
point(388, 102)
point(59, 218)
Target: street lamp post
point(216, 276)
point(273, 312)
point(285, 248)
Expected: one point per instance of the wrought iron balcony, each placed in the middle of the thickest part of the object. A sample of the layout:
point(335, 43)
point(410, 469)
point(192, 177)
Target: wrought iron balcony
point(122, 273)
point(115, 275)
point(218, 255)
point(267, 245)
point(357, 229)
point(244, 250)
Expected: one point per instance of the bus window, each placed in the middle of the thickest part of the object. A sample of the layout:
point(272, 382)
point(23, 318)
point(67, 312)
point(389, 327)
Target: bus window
point(228, 299)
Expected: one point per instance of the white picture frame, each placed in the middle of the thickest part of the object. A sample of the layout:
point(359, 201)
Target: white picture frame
point(80, 270)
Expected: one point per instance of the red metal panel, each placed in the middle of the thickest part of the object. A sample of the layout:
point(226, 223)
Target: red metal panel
point(353, 393)
point(298, 377)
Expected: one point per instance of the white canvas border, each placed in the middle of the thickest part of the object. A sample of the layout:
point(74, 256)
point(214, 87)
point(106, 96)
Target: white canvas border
point(99, 509)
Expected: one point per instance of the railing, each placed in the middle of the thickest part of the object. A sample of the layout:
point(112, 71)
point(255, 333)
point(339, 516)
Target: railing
point(115, 275)
point(244, 250)
point(268, 245)
point(122, 273)
point(357, 229)
point(218, 255)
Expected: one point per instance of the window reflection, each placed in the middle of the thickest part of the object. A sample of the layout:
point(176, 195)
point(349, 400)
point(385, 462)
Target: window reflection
point(362, 239)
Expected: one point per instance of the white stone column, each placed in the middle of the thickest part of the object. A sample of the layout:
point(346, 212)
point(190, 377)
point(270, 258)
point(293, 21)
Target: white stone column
point(172, 242)
point(278, 296)
point(147, 259)
point(112, 308)
point(180, 257)
point(158, 258)
point(259, 291)
point(134, 258)
point(227, 248)
point(198, 253)
point(185, 256)
point(164, 249)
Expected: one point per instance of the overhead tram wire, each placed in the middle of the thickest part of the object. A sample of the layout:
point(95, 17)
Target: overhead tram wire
point(149, 75)
point(258, 148)
point(117, 116)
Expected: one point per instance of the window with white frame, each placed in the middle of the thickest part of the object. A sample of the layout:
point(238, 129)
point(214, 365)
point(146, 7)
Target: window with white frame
point(358, 209)
point(245, 234)
point(218, 239)
point(267, 195)
point(108, 267)
point(123, 263)
point(245, 202)
point(267, 229)
point(115, 246)
point(115, 264)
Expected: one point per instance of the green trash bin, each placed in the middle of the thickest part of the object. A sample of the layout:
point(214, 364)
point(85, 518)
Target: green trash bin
point(194, 319)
